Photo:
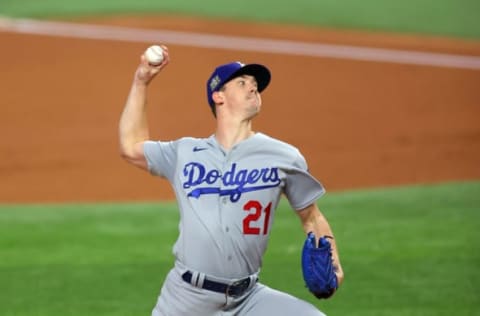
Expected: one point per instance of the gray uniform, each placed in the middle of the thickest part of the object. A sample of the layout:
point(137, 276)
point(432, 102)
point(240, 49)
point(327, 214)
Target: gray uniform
point(227, 202)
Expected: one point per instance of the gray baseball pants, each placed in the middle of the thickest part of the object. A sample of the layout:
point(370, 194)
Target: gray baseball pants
point(178, 298)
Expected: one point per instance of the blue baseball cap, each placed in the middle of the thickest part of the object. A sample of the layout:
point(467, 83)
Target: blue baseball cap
point(227, 72)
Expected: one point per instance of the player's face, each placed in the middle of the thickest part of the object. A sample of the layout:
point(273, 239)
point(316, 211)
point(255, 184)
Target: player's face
point(243, 96)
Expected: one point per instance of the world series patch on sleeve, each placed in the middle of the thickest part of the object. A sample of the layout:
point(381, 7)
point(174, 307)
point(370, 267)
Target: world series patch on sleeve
point(317, 267)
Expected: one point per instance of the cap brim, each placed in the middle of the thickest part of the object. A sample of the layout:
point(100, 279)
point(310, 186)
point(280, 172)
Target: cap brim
point(260, 72)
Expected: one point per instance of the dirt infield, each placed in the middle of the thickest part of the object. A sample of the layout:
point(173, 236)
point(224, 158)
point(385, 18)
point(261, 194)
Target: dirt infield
point(358, 123)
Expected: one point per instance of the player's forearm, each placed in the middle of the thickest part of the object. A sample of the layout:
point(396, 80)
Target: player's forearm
point(322, 228)
point(314, 221)
point(133, 126)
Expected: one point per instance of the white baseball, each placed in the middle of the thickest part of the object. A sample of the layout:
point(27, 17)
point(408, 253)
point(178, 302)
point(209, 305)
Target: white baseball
point(154, 55)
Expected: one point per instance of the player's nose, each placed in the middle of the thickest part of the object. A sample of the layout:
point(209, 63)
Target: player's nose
point(253, 86)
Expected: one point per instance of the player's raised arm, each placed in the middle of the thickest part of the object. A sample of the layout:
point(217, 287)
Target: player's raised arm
point(133, 126)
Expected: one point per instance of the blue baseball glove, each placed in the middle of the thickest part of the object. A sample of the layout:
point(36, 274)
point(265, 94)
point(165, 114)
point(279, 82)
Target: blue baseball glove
point(317, 267)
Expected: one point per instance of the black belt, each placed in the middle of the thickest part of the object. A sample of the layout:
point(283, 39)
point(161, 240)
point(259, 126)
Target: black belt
point(235, 289)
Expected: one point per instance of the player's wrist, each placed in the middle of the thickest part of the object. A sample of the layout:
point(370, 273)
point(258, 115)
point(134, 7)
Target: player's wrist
point(139, 82)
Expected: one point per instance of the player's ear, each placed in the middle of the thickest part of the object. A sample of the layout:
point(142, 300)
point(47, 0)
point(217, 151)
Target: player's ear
point(218, 97)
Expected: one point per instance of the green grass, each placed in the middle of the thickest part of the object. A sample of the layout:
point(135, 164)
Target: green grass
point(448, 17)
point(405, 251)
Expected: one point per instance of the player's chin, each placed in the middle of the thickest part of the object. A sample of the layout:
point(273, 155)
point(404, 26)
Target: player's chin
point(254, 111)
point(256, 108)
point(257, 105)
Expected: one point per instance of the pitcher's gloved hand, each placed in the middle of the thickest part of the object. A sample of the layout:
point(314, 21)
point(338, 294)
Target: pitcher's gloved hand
point(317, 267)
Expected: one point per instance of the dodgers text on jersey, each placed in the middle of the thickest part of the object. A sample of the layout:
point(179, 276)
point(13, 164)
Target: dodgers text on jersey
point(234, 182)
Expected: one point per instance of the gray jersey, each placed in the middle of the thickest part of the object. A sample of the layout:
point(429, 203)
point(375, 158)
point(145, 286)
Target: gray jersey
point(227, 199)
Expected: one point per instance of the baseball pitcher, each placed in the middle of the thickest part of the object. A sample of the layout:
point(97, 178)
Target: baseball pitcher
point(228, 187)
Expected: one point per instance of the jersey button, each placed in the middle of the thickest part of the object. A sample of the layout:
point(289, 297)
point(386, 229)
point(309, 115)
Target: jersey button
point(229, 258)
point(227, 229)
point(224, 200)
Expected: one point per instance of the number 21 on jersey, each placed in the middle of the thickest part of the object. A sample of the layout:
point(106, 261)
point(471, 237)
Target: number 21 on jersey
point(251, 222)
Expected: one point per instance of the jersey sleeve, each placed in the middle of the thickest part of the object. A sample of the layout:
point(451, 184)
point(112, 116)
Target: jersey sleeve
point(301, 188)
point(161, 157)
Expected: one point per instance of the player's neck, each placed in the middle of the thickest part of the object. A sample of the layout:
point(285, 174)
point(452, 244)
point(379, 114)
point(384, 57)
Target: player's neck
point(228, 135)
